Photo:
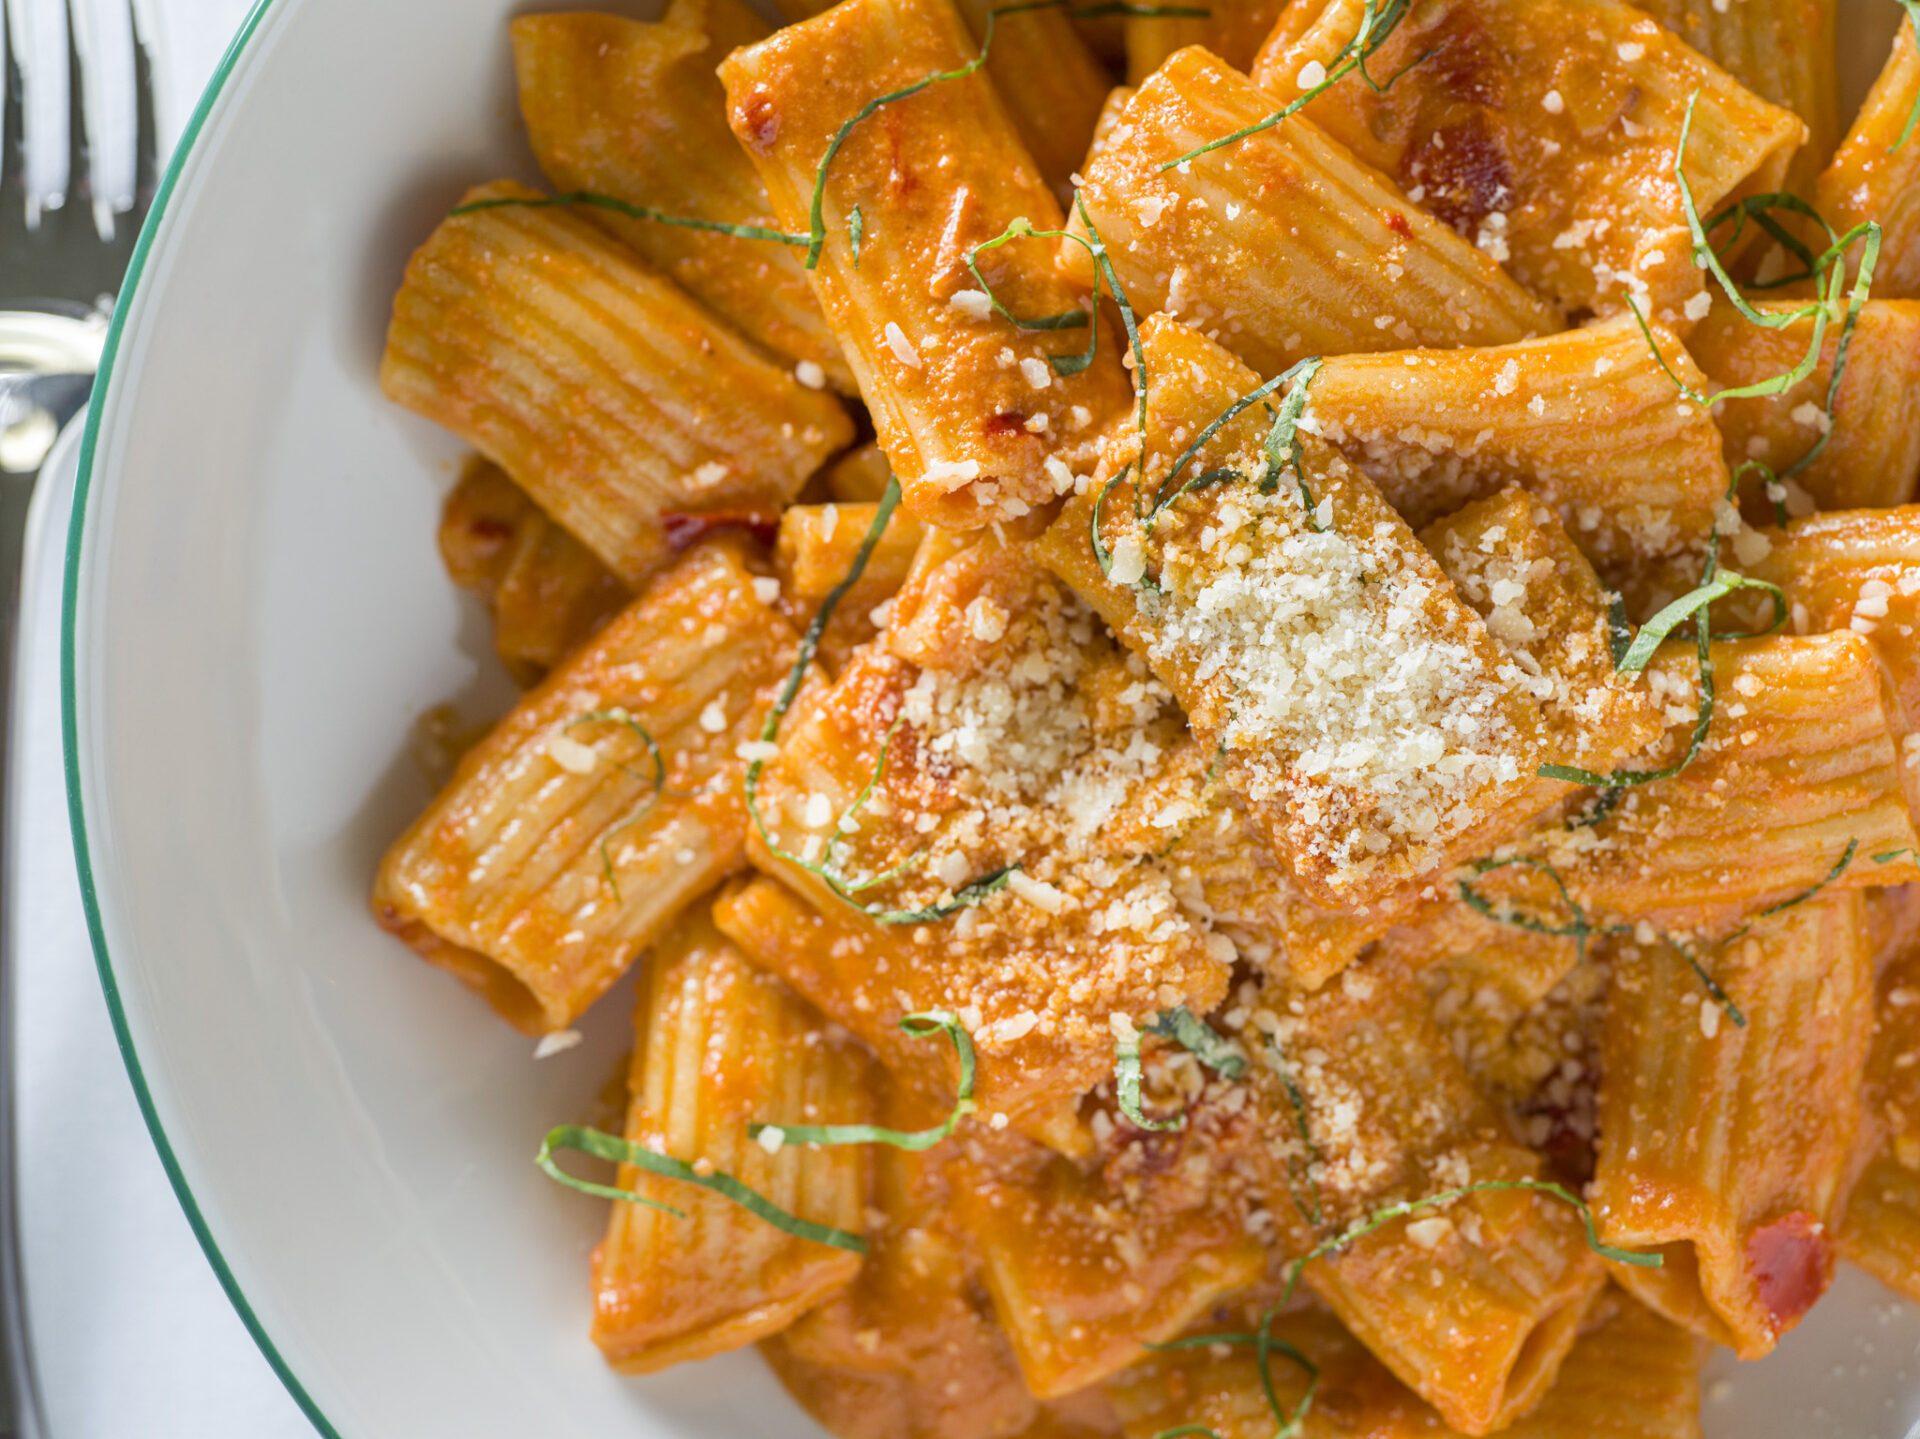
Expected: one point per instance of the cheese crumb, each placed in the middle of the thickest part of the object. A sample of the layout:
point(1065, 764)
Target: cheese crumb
point(1709, 1018)
point(902, 347)
point(559, 1042)
point(974, 304)
point(1036, 892)
point(1312, 75)
point(951, 474)
point(1037, 373)
point(1631, 50)
point(1552, 103)
point(766, 589)
point(1431, 1232)
point(713, 719)
point(571, 755)
point(1698, 306)
point(811, 375)
point(1508, 379)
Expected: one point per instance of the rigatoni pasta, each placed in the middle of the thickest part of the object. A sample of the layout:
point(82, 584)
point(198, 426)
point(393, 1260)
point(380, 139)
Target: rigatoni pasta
point(1300, 843)
point(968, 405)
point(1728, 1141)
point(719, 1045)
point(571, 837)
point(593, 382)
point(1587, 420)
point(633, 111)
point(1547, 133)
point(546, 590)
point(1285, 245)
point(1841, 446)
point(1783, 51)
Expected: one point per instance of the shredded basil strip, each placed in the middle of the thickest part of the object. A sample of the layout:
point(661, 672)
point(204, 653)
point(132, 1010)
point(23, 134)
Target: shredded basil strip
point(1199, 1039)
point(1377, 24)
point(1720, 996)
point(1655, 631)
point(1828, 270)
point(618, 715)
point(856, 230)
point(1581, 928)
point(1021, 229)
point(1126, 1074)
point(590, 200)
point(1380, 1218)
point(1889, 856)
point(1103, 270)
point(920, 1026)
point(1839, 868)
point(842, 888)
point(1310, 1212)
point(1265, 1346)
point(610, 1147)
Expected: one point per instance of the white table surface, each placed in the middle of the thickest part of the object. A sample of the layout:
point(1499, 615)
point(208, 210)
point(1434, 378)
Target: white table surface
point(131, 1333)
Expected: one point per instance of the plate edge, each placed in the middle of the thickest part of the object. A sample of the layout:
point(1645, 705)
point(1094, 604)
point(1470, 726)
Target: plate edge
point(69, 716)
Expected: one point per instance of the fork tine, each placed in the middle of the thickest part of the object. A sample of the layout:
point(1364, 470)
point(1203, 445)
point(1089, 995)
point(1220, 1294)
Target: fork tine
point(103, 42)
point(37, 31)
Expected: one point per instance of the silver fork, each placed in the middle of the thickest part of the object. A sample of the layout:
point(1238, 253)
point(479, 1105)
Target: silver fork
point(77, 143)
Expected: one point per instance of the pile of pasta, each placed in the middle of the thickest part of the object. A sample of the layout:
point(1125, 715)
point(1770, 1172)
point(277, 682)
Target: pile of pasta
point(1254, 731)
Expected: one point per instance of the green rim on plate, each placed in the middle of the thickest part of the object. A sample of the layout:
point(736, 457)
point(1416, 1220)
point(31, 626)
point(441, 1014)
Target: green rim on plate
point(70, 726)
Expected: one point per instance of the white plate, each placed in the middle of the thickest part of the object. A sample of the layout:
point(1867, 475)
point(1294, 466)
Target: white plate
point(256, 614)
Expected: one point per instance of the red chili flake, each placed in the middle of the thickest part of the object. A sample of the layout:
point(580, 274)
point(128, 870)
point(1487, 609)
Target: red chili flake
point(1465, 172)
point(489, 528)
point(761, 118)
point(1396, 222)
point(1791, 1261)
point(1006, 422)
point(684, 531)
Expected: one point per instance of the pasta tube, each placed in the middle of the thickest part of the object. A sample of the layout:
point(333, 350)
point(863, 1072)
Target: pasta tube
point(1800, 764)
point(1052, 1241)
point(1386, 1112)
point(1048, 80)
point(1514, 565)
point(634, 112)
point(994, 733)
point(609, 396)
point(969, 406)
point(570, 838)
point(1728, 1147)
point(815, 552)
point(1587, 420)
point(1881, 1232)
point(1874, 177)
point(912, 1349)
point(1284, 245)
point(546, 590)
point(1547, 134)
point(1783, 51)
point(1872, 453)
point(1631, 1375)
point(1361, 788)
point(1043, 70)
point(1858, 571)
point(719, 1046)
